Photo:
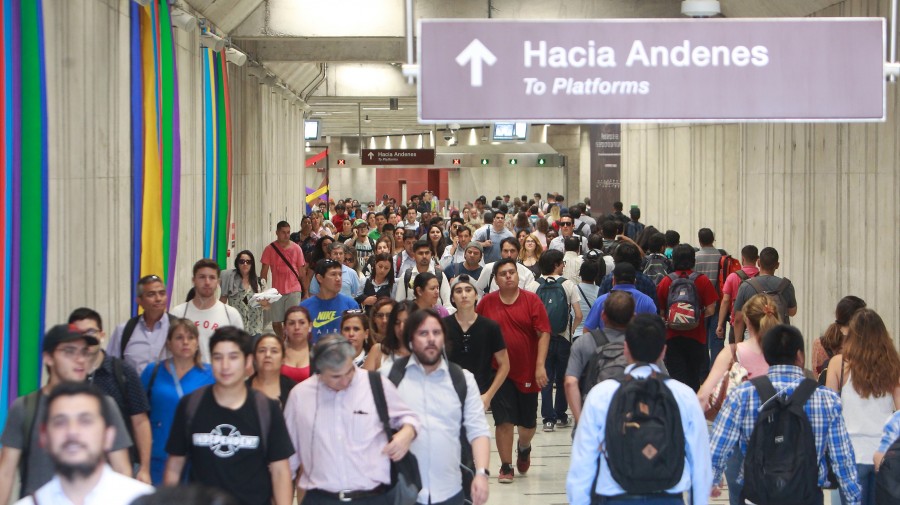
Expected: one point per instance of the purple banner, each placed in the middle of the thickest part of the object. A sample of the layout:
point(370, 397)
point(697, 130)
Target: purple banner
point(789, 69)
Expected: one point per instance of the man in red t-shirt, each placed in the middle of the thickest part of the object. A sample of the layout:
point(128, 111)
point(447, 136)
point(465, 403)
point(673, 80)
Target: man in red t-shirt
point(526, 331)
point(687, 357)
point(288, 273)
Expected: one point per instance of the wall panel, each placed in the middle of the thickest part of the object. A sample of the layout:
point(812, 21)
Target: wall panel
point(824, 195)
point(90, 167)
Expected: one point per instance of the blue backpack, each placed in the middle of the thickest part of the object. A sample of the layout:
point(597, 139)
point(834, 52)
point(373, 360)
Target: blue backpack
point(553, 295)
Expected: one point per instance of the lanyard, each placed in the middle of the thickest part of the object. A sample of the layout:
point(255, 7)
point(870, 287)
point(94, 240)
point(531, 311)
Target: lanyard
point(171, 368)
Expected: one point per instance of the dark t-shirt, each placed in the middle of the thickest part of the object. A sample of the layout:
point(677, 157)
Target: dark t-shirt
point(474, 349)
point(224, 447)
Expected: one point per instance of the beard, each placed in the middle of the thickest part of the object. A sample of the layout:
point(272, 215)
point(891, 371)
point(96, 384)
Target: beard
point(84, 469)
point(425, 360)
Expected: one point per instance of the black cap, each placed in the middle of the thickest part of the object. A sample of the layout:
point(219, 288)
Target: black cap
point(624, 273)
point(63, 333)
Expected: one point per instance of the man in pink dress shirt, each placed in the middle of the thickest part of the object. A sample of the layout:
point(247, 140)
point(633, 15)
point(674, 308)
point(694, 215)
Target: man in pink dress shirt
point(340, 445)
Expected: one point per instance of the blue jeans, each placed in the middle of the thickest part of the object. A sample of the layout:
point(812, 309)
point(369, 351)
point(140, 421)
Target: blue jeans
point(557, 360)
point(866, 474)
point(732, 470)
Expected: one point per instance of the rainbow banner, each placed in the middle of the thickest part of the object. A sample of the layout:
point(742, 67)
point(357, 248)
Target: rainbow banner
point(23, 198)
point(217, 157)
point(155, 144)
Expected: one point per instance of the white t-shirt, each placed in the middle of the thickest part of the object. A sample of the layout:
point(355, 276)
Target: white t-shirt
point(208, 321)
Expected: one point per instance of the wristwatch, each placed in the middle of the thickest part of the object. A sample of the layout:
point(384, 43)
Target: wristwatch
point(482, 471)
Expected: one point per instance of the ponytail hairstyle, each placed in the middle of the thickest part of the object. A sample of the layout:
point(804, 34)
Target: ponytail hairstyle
point(833, 338)
point(761, 313)
point(871, 356)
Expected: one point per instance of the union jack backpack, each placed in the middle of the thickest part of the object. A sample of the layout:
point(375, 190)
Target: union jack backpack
point(685, 310)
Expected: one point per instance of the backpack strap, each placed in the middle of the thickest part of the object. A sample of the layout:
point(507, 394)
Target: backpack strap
point(153, 375)
point(407, 276)
point(398, 370)
point(130, 326)
point(754, 283)
point(191, 407)
point(264, 412)
point(764, 388)
point(584, 297)
point(28, 423)
point(742, 275)
point(122, 383)
point(600, 338)
point(782, 286)
point(802, 394)
point(286, 262)
point(380, 402)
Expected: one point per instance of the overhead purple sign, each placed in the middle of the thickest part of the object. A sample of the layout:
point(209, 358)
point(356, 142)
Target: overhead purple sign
point(806, 69)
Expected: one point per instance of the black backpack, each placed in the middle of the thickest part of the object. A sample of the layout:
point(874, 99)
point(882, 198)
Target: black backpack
point(781, 465)
point(645, 446)
point(467, 459)
point(556, 301)
point(657, 267)
point(887, 480)
point(777, 294)
point(608, 361)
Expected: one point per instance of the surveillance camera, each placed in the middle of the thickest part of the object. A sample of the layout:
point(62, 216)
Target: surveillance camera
point(448, 136)
point(453, 126)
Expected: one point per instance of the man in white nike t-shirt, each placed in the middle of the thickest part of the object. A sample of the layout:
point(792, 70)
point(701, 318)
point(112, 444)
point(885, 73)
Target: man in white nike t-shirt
point(205, 309)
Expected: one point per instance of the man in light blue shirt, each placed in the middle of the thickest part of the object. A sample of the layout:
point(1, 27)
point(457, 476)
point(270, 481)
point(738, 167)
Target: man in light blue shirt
point(349, 277)
point(490, 237)
point(645, 340)
point(623, 280)
point(425, 383)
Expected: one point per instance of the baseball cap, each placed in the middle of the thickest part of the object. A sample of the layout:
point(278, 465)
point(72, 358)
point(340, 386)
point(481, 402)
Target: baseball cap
point(463, 279)
point(360, 222)
point(62, 333)
point(624, 273)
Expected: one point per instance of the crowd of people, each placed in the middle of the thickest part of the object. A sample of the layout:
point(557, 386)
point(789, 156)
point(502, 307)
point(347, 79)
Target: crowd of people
point(378, 337)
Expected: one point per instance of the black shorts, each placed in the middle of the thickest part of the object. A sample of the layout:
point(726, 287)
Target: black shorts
point(512, 406)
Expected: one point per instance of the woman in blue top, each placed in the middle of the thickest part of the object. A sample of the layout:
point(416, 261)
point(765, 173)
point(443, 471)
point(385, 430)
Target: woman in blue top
point(167, 381)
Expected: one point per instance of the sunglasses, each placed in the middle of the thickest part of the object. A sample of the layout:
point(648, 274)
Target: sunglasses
point(353, 312)
point(149, 278)
point(565, 223)
point(244, 262)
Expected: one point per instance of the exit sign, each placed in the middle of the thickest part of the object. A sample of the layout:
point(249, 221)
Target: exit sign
point(457, 161)
point(342, 162)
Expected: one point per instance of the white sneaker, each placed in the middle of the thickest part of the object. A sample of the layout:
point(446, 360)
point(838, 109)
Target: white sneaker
point(549, 426)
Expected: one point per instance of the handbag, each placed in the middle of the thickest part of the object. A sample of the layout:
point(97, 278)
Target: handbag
point(732, 378)
point(406, 481)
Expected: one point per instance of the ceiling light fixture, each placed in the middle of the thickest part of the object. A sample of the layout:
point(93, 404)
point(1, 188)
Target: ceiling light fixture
point(701, 8)
point(212, 41)
point(236, 56)
point(183, 20)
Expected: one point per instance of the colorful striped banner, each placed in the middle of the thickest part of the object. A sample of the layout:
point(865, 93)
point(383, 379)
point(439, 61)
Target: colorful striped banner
point(156, 143)
point(217, 157)
point(23, 197)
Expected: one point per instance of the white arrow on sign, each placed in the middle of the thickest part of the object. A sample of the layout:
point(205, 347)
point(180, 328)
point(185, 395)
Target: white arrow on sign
point(371, 155)
point(476, 53)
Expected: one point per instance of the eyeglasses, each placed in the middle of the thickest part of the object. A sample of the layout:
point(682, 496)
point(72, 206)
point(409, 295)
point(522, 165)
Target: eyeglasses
point(84, 352)
point(565, 223)
point(245, 262)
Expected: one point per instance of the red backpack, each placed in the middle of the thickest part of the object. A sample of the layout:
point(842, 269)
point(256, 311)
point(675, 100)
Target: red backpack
point(727, 266)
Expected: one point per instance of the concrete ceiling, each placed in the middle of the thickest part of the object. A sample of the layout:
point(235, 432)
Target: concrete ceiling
point(343, 57)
